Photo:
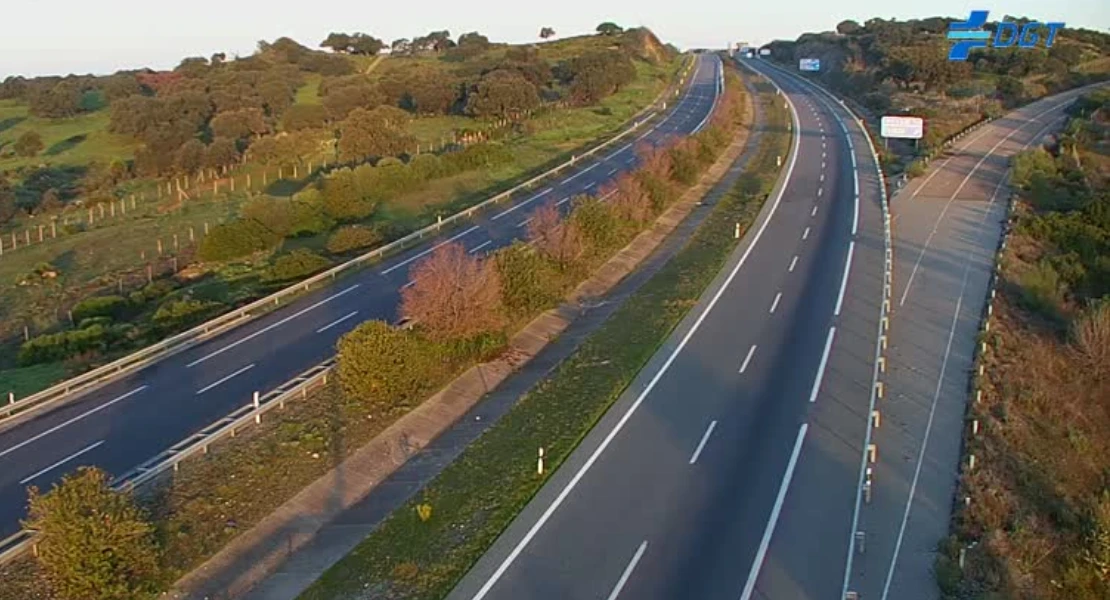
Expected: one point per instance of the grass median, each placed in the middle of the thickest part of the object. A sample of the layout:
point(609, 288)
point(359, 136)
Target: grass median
point(473, 500)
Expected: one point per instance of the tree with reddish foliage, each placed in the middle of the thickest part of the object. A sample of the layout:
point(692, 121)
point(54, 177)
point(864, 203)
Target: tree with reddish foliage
point(558, 239)
point(631, 202)
point(454, 295)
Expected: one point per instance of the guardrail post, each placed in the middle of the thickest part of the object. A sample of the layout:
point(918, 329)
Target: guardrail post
point(11, 397)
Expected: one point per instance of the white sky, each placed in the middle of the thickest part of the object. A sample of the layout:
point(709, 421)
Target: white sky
point(79, 36)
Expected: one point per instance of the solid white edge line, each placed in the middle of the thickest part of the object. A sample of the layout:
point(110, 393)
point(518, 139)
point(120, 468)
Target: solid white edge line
point(482, 245)
point(521, 205)
point(270, 327)
point(628, 571)
point(430, 250)
point(86, 449)
point(704, 439)
point(764, 543)
point(821, 367)
point(775, 304)
point(844, 280)
point(225, 379)
point(748, 358)
point(340, 320)
point(505, 564)
point(39, 436)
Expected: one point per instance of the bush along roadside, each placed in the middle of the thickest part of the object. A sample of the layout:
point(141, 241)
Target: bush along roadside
point(462, 308)
point(1032, 513)
point(423, 549)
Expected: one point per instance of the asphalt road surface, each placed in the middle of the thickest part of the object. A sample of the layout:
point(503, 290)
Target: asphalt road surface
point(121, 425)
point(946, 226)
point(729, 468)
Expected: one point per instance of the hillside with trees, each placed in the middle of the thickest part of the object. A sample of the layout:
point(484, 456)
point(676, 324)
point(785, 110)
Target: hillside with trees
point(902, 67)
point(137, 187)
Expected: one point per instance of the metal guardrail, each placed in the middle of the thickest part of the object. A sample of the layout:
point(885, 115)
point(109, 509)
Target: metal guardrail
point(244, 314)
point(198, 443)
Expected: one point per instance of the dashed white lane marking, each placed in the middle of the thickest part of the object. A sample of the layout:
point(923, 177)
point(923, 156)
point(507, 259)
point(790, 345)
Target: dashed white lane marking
point(813, 213)
point(704, 439)
point(628, 571)
point(429, 250)
point(821, 368)
point(269, 327)
point(775, 304)
point(84, 450)
point(748, 358)
point(224, 380)
point(761, 553)
point(805, 234)
point(482, 245)
point(844, 280)
point(337, 321)
point(91, 411)
point(521, 205)
point(793, 263)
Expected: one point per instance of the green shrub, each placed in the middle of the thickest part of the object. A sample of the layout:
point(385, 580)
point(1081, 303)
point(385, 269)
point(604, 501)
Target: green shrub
point(529, 282)
point(915, 169)
point(295, 265)
point(94, 542)
point(236, 240)
point(155, 290)
point(684, 164)
point(383, 367)
point(112, 307)
point(285, 217)
point(1028, 164)
point(599, 226)
point(89, 322)
point(60, 346)
point(183, 312)
point(662, 191)
point(352, 237)
point(1041, 290)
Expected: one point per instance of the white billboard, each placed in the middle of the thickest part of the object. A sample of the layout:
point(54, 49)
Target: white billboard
point(910, 128)
point(809, 64)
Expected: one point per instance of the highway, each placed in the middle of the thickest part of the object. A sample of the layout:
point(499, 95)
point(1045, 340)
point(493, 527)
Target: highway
point(120, 425)
point(947, 226)
point(729, 467)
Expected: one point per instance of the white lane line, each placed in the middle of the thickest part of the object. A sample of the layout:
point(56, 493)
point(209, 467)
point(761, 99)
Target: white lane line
point(844, 281)
point(823, 154)
point(269, 327)
point(429, 250)
point(628, 571)
point(822, 177)
point(631, 159)
point(619, 150)
point(775, 304)
point(337, 321)
point(225, 379)
point(793, 263)
point(563, 201)
point(805, 234)
point(822, 165)
point(821, 367)
point(558, 501)
point(408, 285)
point(525, 222)
point(704, 439)
point(521, 205)
point(482, 245)
point(38, 437)
point(813, 213)
point(761, 553)
point(88, 448)
point(580, 173)
point(820, 190)
point(611, 171)
point(936, 225)
point(748, 358)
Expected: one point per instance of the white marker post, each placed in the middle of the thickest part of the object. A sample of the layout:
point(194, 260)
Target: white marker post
point(539, 463)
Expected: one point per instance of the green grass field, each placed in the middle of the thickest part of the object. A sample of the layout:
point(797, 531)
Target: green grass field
point(73, 141)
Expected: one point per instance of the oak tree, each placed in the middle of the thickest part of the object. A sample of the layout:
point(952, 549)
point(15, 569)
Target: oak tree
point(29, 144)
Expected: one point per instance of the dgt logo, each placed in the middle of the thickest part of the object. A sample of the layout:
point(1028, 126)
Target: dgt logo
point(972, 34)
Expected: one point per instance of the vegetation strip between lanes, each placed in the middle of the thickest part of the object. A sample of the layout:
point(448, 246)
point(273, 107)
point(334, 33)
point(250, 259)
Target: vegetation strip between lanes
point(422, 550)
